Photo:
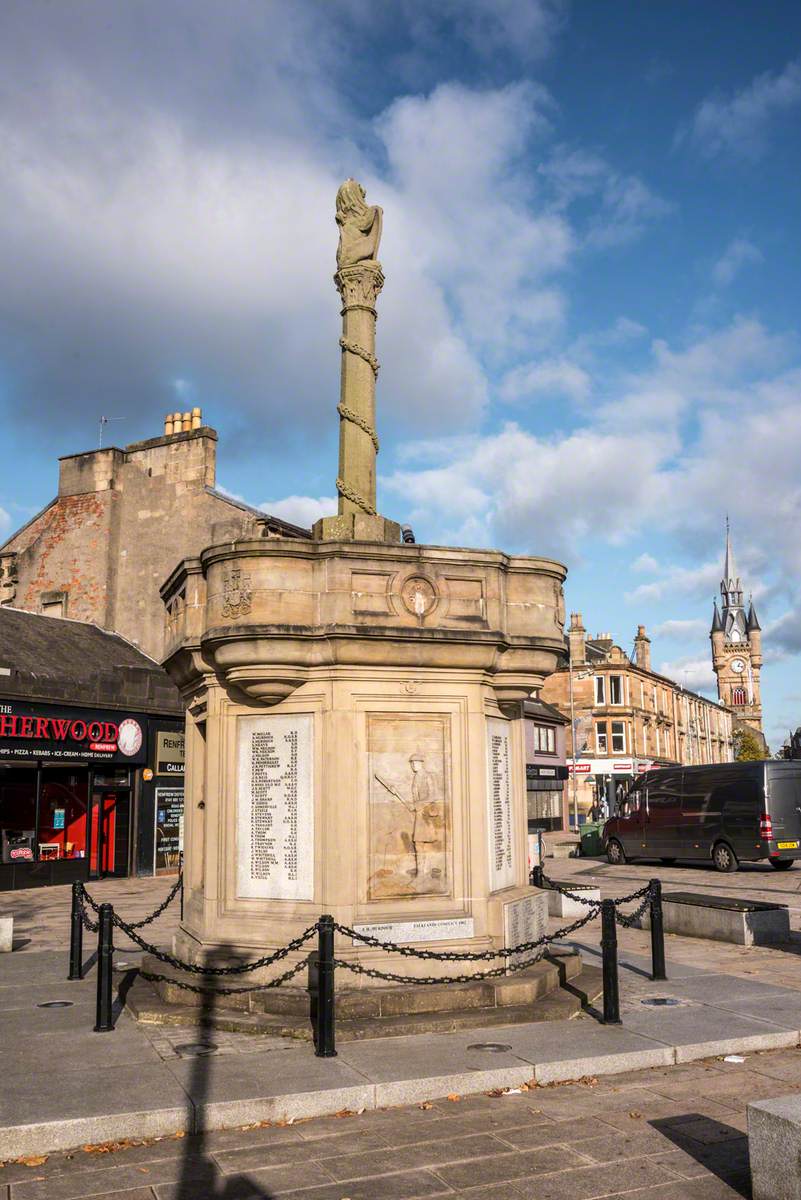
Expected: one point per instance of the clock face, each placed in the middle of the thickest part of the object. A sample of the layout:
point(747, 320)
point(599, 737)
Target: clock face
point(738, 665)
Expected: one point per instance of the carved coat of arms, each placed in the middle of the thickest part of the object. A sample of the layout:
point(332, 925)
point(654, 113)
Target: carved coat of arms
point(236, 594)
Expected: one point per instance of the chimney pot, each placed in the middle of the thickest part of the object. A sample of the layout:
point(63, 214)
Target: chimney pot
point(186, 422)
point(197, 418)
point(168, 425)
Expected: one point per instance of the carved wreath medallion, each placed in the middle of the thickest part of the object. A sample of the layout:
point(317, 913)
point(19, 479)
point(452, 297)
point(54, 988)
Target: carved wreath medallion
point(419, 596)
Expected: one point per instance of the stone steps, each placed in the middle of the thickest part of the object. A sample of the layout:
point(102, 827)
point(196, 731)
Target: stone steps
point(556, 993)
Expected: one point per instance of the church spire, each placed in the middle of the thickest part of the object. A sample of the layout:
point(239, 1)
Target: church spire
point(731, 589)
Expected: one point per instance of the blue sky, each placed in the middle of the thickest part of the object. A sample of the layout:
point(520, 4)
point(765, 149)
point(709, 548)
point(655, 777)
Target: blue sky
point(589, 330)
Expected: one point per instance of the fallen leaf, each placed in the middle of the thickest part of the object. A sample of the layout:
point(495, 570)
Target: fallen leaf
point(179, 1134)
point(343, 1112)
point(426, 1104)
point(635, 1116)
point(32, 1160)
point(453, 1097)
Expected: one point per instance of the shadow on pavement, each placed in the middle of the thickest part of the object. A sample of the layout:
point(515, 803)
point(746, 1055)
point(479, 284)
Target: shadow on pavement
point(718, 1148)
point(200, 1178)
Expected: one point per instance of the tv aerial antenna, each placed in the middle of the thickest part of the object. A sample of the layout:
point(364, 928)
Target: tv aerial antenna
point(102, 423)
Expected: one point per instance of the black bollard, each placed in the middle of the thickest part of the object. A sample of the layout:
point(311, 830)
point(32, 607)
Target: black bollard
point(105, 950)
point(76, 933)
point(609, 951)
point(657, 932)
point(324, 1046)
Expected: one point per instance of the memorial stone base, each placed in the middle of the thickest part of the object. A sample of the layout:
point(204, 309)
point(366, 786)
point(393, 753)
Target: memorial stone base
point(355, 747)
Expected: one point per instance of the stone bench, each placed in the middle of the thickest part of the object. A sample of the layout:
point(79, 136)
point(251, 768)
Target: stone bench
point(723, 918)
point(560, 905)
point(6, 934)
point(774, 1147)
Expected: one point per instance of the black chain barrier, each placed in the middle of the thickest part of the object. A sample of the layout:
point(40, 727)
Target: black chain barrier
point(321, 964)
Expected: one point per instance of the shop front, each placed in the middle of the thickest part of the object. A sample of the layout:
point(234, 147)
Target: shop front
point(84, 794)
point(601, 783)
point(90, 728)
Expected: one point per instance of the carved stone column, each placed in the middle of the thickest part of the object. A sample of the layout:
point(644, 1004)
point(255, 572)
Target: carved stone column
point(357, 519)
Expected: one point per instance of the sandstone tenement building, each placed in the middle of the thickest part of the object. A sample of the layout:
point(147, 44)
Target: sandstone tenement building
point(628, 718)
point(121, 521)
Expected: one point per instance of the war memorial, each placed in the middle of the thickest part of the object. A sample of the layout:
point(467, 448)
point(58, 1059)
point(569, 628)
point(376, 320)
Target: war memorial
point(354, 730)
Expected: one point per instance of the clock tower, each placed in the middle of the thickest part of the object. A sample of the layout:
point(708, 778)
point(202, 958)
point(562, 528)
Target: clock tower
point(737, 647)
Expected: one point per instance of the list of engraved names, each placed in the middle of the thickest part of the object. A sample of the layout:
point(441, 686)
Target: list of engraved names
point(275, 843)
point(499, 806)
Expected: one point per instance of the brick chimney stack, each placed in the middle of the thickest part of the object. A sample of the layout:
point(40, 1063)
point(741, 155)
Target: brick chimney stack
point(642, 649)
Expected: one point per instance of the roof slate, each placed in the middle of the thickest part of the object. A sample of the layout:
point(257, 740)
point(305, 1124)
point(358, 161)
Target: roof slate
point(71, 662)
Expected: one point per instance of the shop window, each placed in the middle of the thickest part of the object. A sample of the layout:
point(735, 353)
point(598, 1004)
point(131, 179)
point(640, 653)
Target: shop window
point(615, 689)
point(600, 689)
point(618, 737)
point(62, 814)
point(18, 814)
point(601, 741)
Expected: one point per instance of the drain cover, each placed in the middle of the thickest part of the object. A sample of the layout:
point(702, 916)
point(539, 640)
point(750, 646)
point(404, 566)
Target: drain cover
point(195, 1049)
point(490, 1047)
point(55, 1004)
point(661, 1001)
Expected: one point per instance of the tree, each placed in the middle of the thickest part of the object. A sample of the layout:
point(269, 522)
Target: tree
point(747, 745)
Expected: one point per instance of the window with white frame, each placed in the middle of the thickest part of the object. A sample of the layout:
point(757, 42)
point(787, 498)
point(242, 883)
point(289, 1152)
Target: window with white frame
point(618, 737)
point(642, 695)
point(656, 731)
point(615, 689)
point(656, 706)
point(600, 689)
point(544, 739)
point(667, 742)
point(601, 739)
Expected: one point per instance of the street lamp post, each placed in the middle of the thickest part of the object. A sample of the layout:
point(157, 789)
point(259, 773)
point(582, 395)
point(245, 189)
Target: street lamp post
point(581, 675)
point(573, 745)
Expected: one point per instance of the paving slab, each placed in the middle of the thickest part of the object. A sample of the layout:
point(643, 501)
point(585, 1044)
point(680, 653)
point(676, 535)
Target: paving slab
point(589, 1182)
point(712, 988)
point(779, 1008)
point(239, 1089)
point(640, 964)
point(65, 1109)
point(701, 1031)
point(584, 1048)
point(406, 1069)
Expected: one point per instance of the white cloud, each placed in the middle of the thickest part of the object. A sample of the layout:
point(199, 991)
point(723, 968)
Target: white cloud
point(626, 205)
point(695, 674)
point(738, 125)
point(680, 581)
point(5, 522)
point(538, 493)
point(682, 630)
point(301, 510)
point(738, 254)
point(782, 637)
point(523, 28)
point(549, 377)
point(610, 480)
point(645, 563)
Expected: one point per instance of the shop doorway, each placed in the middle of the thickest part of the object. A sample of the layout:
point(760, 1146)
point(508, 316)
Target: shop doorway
point(110, 831)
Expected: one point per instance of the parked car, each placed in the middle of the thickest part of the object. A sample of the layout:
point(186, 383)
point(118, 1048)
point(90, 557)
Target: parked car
point(727, 812)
